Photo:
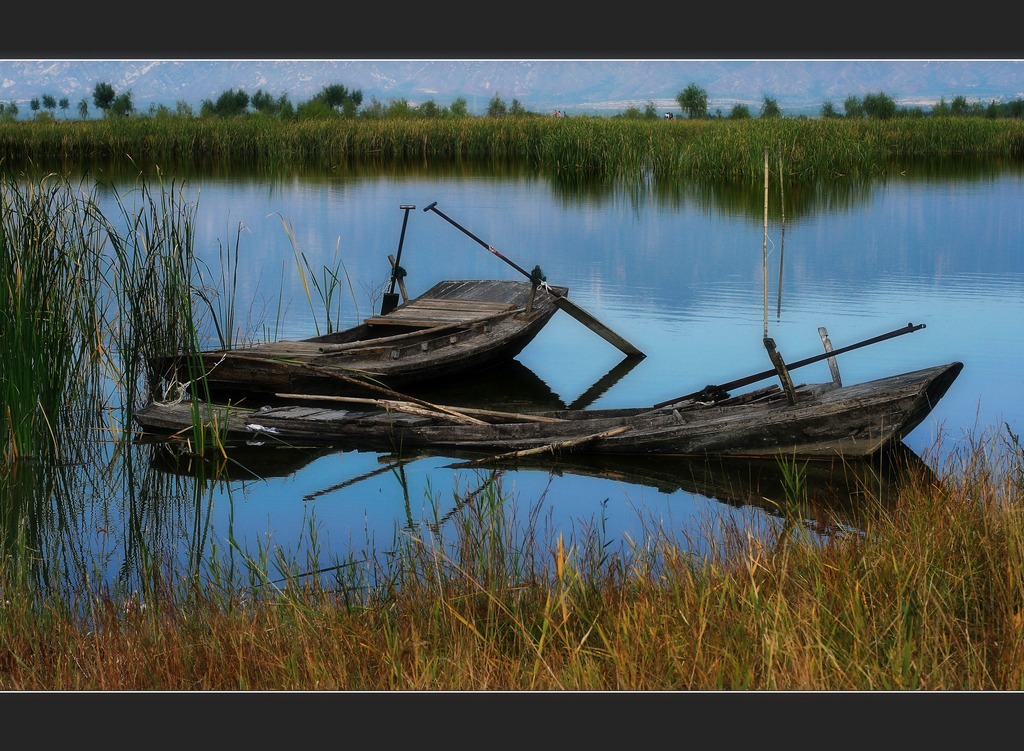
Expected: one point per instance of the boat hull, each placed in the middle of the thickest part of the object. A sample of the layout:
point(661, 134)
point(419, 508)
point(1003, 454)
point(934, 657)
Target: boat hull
point(454, 329)
point(826, 421)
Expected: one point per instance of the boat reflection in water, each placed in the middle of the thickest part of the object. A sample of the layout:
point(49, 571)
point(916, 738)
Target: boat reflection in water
point(823, 495)
point(514, 387)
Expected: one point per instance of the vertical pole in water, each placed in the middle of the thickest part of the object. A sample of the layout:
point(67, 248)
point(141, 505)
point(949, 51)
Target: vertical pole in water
point(782, 233)
point(765, 250)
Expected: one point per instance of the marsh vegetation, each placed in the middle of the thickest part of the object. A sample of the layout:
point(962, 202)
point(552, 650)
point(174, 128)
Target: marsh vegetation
point(925, 591)
point(588, 147)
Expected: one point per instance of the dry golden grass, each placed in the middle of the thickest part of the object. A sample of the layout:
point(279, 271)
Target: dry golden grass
point(927, 595)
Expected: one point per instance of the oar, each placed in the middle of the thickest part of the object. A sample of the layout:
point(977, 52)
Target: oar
point(713, 391)
point(390, 301)
point(560, 301)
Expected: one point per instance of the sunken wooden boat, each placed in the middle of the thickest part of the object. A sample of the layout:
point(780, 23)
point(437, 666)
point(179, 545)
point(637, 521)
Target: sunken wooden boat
point(815, 421)
point(455, 328)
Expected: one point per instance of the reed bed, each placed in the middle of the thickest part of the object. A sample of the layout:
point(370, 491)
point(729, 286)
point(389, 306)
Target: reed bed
point(598, 148)
point(50, 347)
point(926, 595)
point(84, 298)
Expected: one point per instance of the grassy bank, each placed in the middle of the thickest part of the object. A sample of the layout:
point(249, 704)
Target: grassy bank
point(928, 594)
point(592, 147)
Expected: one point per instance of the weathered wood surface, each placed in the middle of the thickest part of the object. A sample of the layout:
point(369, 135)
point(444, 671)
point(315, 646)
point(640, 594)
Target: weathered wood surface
point(426, 312)
point(591, 322)
point(856, 420)
point(455, 328)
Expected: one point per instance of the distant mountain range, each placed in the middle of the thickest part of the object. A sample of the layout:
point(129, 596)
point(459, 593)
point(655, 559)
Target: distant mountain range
point(573, 86)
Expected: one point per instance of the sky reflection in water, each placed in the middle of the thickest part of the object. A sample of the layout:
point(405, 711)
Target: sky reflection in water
point(683, 279)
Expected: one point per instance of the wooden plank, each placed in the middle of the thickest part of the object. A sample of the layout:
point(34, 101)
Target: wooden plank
point(286, 349)
point(476, 305)
point(423, 321)
point(780, 368)
point(553, 447)
point(436, 312)
point(597, 327)
point(473, 411)
point(833, 366)
point(487, 290)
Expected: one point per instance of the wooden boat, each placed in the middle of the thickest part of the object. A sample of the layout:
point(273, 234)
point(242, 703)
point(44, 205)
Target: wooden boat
point(454, 328)
point(814, 421)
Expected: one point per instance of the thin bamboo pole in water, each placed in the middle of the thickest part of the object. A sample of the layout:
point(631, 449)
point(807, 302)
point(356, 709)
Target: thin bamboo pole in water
point(765, 248)
point(782, 235)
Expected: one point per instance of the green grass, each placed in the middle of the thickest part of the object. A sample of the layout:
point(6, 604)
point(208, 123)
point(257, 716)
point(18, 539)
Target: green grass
point(51, 349)
point(84, 300)
point(591, 147)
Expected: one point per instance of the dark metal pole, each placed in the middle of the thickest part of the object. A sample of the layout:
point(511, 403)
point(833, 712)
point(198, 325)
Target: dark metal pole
point(390, 301)
point(910, 327)
point(513, 264)
point(562, 302)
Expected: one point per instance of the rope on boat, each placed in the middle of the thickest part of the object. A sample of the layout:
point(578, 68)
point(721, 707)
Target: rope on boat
point(179, 389)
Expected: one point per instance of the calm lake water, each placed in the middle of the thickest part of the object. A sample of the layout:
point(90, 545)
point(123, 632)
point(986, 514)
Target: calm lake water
point(678, 271)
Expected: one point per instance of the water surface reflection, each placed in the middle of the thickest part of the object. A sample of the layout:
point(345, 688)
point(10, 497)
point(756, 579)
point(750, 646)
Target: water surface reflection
point(676, 268)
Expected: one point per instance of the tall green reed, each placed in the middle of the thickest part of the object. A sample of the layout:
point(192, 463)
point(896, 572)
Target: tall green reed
point(52, 337)
point(329, 287)
point(92, 282)
point(152, 266)
point(85, 301)
point(595, 147)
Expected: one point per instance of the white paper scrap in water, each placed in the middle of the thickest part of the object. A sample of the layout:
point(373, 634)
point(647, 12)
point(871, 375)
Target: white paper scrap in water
point(259, 428)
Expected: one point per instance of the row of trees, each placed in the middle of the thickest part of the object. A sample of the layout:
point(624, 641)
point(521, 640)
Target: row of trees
point(104, 98)
point(336, 100)
point(693, 101)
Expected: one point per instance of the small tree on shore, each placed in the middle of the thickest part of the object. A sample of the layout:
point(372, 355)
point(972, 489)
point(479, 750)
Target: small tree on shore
point(739, 112)
point(828, 110)
point(853, 107)
point(103, 96)
point(770, 108)
point(340, 99)
point(122, 105)
point(880, 106)
point(693, 101)
point(497, 107)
